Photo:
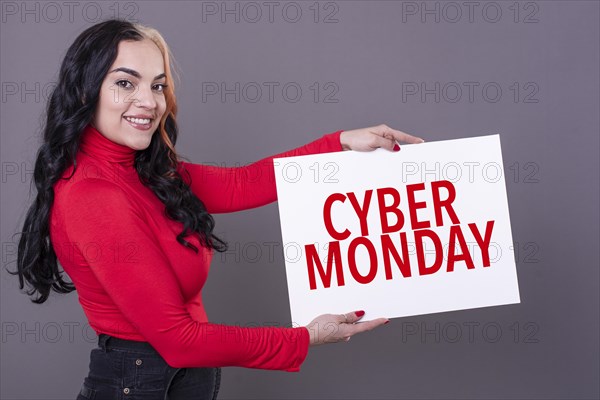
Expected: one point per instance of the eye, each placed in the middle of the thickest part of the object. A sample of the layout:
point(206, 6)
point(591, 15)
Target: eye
point(124, 83)
point(160, 87)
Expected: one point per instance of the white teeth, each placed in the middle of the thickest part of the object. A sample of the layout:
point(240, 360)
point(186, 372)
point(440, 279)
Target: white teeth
point(141, 121)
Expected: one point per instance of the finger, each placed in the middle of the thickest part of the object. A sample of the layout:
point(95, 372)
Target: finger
point(367, 326)
point(405, 137)
point(384, 143)
point(355, 316)
point(400, 136)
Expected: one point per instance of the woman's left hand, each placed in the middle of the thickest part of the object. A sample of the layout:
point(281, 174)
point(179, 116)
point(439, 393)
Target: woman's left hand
point(368, 139)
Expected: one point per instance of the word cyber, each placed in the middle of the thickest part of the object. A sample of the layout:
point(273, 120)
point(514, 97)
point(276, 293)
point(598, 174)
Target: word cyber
point(394, 240)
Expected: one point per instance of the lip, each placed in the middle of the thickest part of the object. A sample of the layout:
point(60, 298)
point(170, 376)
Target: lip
point(140, 116)
point(141, 127)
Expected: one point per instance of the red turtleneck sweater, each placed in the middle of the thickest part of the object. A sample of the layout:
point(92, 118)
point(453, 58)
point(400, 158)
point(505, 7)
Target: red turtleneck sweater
point(136, 282)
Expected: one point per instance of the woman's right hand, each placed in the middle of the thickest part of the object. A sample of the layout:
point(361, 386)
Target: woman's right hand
point(333, 328)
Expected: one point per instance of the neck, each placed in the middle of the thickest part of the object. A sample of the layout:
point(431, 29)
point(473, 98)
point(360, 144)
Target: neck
point(98, 146)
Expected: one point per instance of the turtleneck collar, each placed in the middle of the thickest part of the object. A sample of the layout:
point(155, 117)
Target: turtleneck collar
point(98, 146)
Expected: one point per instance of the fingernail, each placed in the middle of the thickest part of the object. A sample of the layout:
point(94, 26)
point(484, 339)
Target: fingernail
point(360, 313)
point(386, 322)
point(396, 147)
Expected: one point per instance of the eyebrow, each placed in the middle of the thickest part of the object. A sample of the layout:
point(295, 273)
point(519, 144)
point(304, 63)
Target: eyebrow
point(134, 72)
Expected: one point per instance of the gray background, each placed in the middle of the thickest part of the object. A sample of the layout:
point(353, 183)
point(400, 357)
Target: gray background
point(546, 347)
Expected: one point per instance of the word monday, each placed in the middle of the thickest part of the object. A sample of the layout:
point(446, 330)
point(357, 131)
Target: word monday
point(394, 240)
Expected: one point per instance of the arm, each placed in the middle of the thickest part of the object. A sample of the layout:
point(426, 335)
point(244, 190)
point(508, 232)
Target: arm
point(240, 188)
point(147, 293)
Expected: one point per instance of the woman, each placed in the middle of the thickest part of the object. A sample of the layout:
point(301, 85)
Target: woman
point(131, 225)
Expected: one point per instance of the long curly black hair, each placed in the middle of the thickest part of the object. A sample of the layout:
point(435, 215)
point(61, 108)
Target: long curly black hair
point(70, 108)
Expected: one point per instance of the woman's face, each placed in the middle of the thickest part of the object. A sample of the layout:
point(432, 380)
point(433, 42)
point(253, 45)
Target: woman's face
point(131, 101)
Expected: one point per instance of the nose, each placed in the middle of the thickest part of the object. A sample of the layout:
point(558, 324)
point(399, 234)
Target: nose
point(144, 98)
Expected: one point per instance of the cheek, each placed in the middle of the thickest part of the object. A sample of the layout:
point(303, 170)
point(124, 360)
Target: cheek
point(161, 105)
point(112, 101)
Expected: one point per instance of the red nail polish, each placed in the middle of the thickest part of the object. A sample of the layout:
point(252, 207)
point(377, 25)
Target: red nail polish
point(360, 313)
point(396, 147)
point(386, 322)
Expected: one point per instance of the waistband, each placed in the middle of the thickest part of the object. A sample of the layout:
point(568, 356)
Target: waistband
point(111, 342)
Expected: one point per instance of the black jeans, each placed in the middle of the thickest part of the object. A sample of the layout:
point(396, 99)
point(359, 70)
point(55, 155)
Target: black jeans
point(127, 370)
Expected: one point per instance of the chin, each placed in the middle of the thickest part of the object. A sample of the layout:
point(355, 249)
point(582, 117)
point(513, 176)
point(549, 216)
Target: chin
point(141, 145)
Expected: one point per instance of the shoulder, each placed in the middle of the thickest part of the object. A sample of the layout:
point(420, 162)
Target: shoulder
point(91, 205)
point(187, 170)
point(92, 187)
point(94, 193)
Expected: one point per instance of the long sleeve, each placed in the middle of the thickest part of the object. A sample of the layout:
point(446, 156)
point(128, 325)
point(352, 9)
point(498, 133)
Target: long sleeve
point(100, 219)
point(228, 189)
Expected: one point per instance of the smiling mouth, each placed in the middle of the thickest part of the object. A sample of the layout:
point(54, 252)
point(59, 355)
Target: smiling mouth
point(139, 121)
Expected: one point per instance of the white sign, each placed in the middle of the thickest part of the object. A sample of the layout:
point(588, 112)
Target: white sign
point(418, 231)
